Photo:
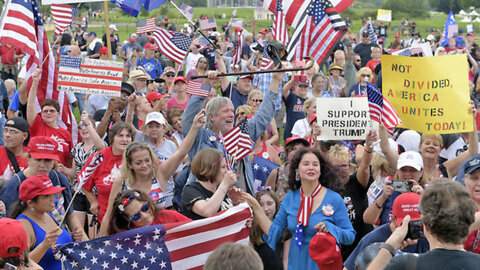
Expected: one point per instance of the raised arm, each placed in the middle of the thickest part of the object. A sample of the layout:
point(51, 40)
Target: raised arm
point(31, 109)
point(103, 125)
point(287, 87)
point(130, 109)
point(363, 171)
point(390, 155)
point(224, 82)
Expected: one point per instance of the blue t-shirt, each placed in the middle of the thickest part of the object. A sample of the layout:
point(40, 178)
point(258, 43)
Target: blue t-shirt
point(387, 207)
point(153, 67)
point(381, 234)
point(237, 98)
point(15, 102)
point(294, 110)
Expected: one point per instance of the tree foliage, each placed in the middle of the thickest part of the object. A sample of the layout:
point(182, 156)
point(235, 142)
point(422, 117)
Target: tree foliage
point(446, 5)
point(466, 4)
point(414, 8)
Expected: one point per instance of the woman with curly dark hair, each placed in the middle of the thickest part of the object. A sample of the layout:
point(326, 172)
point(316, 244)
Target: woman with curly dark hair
point(134, 209)
point(313, 205)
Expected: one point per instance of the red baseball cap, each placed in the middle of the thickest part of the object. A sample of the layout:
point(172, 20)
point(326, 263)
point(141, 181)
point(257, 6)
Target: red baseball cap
point(103, 50)
point(152, 96)
point(312, 118)
point(263, 31)
point(180, 78)
point(41, 147)
point(37, 185)
point(325, 252)
point(296, 138)
point(150, 46)
point(406, 204)
point(15, 238)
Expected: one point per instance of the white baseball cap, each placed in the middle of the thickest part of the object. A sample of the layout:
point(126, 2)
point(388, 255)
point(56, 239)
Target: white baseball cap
point(155, 117)
point(410, 158)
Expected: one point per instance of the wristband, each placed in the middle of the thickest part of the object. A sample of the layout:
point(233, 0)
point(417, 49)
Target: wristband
point(378, 206)
point(388, 247)
point(222, 189)
point(366, 150)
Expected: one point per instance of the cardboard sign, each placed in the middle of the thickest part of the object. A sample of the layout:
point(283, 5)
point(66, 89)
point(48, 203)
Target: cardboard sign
point(90, 76)
point(343, 118)
point(384, 15)
point(430, 94)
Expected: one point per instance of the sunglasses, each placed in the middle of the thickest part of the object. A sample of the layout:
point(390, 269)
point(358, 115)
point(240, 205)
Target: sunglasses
point(170, 75)
point(257, 100)
point(144, 209)
point(156, 51)
point(365, 75)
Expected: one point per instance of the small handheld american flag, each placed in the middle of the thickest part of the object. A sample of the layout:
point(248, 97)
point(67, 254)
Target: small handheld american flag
point(381, 110)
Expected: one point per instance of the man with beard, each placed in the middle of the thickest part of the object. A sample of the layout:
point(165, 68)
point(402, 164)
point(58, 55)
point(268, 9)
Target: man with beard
point(11, 154)
point(138, 80)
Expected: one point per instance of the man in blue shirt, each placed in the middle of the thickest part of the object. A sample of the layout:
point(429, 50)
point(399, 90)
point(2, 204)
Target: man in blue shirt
point(151, 65)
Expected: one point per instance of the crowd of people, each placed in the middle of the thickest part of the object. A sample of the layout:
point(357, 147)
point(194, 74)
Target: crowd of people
point(160, 157)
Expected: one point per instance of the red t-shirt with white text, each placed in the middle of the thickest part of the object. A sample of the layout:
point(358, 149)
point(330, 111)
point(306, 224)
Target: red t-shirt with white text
point(6, 167)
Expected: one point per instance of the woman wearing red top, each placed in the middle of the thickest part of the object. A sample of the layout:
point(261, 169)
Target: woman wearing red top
point(45, 122)
point(120, 136)
point(134, 209)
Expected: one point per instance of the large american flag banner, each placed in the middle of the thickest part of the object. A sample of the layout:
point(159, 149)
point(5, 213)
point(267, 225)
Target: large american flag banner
point(90, 76)
point(23, 28)
point(145, 25)
point(184, 245)
point(207, 24)
point(237, 55)
point(63, 16)
point(323, 29)
point(238, 142)
point(280, 31)
point(381, 110)
point(173, 45)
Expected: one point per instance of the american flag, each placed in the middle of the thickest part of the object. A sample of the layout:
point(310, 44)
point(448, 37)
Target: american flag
point(90, 76)
point(371, 32)
point(267, 62)
point(86, 173)
point(203, 42)
point(381, 110)
point(236, 23)
point(237, 55)
point(238, 142)
point(280, 31)
point(207, 24)
point(187, 11)
point(23, 28)
point(323, 29)
point(145, 25)
point(183, 245)
point(63, 16)
point(295, 9)
point(173, 45)
point(195, 88)
point(261, 170)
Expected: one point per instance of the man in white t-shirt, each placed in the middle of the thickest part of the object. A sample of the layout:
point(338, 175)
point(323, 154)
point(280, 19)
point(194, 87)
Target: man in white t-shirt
point(192, 57)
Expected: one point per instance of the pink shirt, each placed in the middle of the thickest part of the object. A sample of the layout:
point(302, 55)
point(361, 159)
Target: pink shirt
point(172, 102)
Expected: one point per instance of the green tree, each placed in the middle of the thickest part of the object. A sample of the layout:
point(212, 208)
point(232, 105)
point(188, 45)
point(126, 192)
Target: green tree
point(446, 5)
point(466, 4)
point(414, 8)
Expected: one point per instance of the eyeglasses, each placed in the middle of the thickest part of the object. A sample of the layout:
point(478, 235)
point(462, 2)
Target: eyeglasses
point(257, 100)
point(365, 75)
point(144, 209)
point(358, 60)
point(240, 113)
point(156, 51)
point(10, 131)
point(169, 75)
point(49, 111)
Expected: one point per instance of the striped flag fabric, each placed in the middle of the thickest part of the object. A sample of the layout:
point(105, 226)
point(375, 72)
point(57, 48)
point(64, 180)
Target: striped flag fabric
point(238, 142)
point(195, 88)
point(90, 76)
point(86, 173)
point(371, 33)
point(237, 55)
point(236, 23)
point(207, 24)
point(280, 31)
point(187, 11)
point(267, 62)
point(63, 16)
point(23, 28)
point(381, 110)
point(182, 245)
point(173, 45)
point(145, 25)
point(323, 29)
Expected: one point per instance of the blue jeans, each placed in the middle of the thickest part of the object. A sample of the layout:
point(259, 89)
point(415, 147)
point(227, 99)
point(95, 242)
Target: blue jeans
point(3, 120)
point(81, 101)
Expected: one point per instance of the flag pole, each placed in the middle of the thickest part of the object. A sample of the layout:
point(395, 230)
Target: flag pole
point(190, 21)
point(107, 30)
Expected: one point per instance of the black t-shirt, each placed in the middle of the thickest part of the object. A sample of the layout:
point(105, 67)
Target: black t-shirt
point(81, 41)
point(113, 43)
point(365, 51)
point(438, 259)
point(210, 55)
point(356, 201)
point(196, 192)
point(270, 259)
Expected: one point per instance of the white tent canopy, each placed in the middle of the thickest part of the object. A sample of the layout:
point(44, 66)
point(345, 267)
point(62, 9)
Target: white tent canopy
point(466, 19)
point(474, 13)
point(477, 20)
point(462, 12)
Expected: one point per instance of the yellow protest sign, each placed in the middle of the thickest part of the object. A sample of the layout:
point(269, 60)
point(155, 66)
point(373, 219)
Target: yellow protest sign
point(430, 94)
point(384, 15)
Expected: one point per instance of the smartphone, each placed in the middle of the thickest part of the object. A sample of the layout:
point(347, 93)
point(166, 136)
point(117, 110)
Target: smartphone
point(402, 186)
point(415, 230)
